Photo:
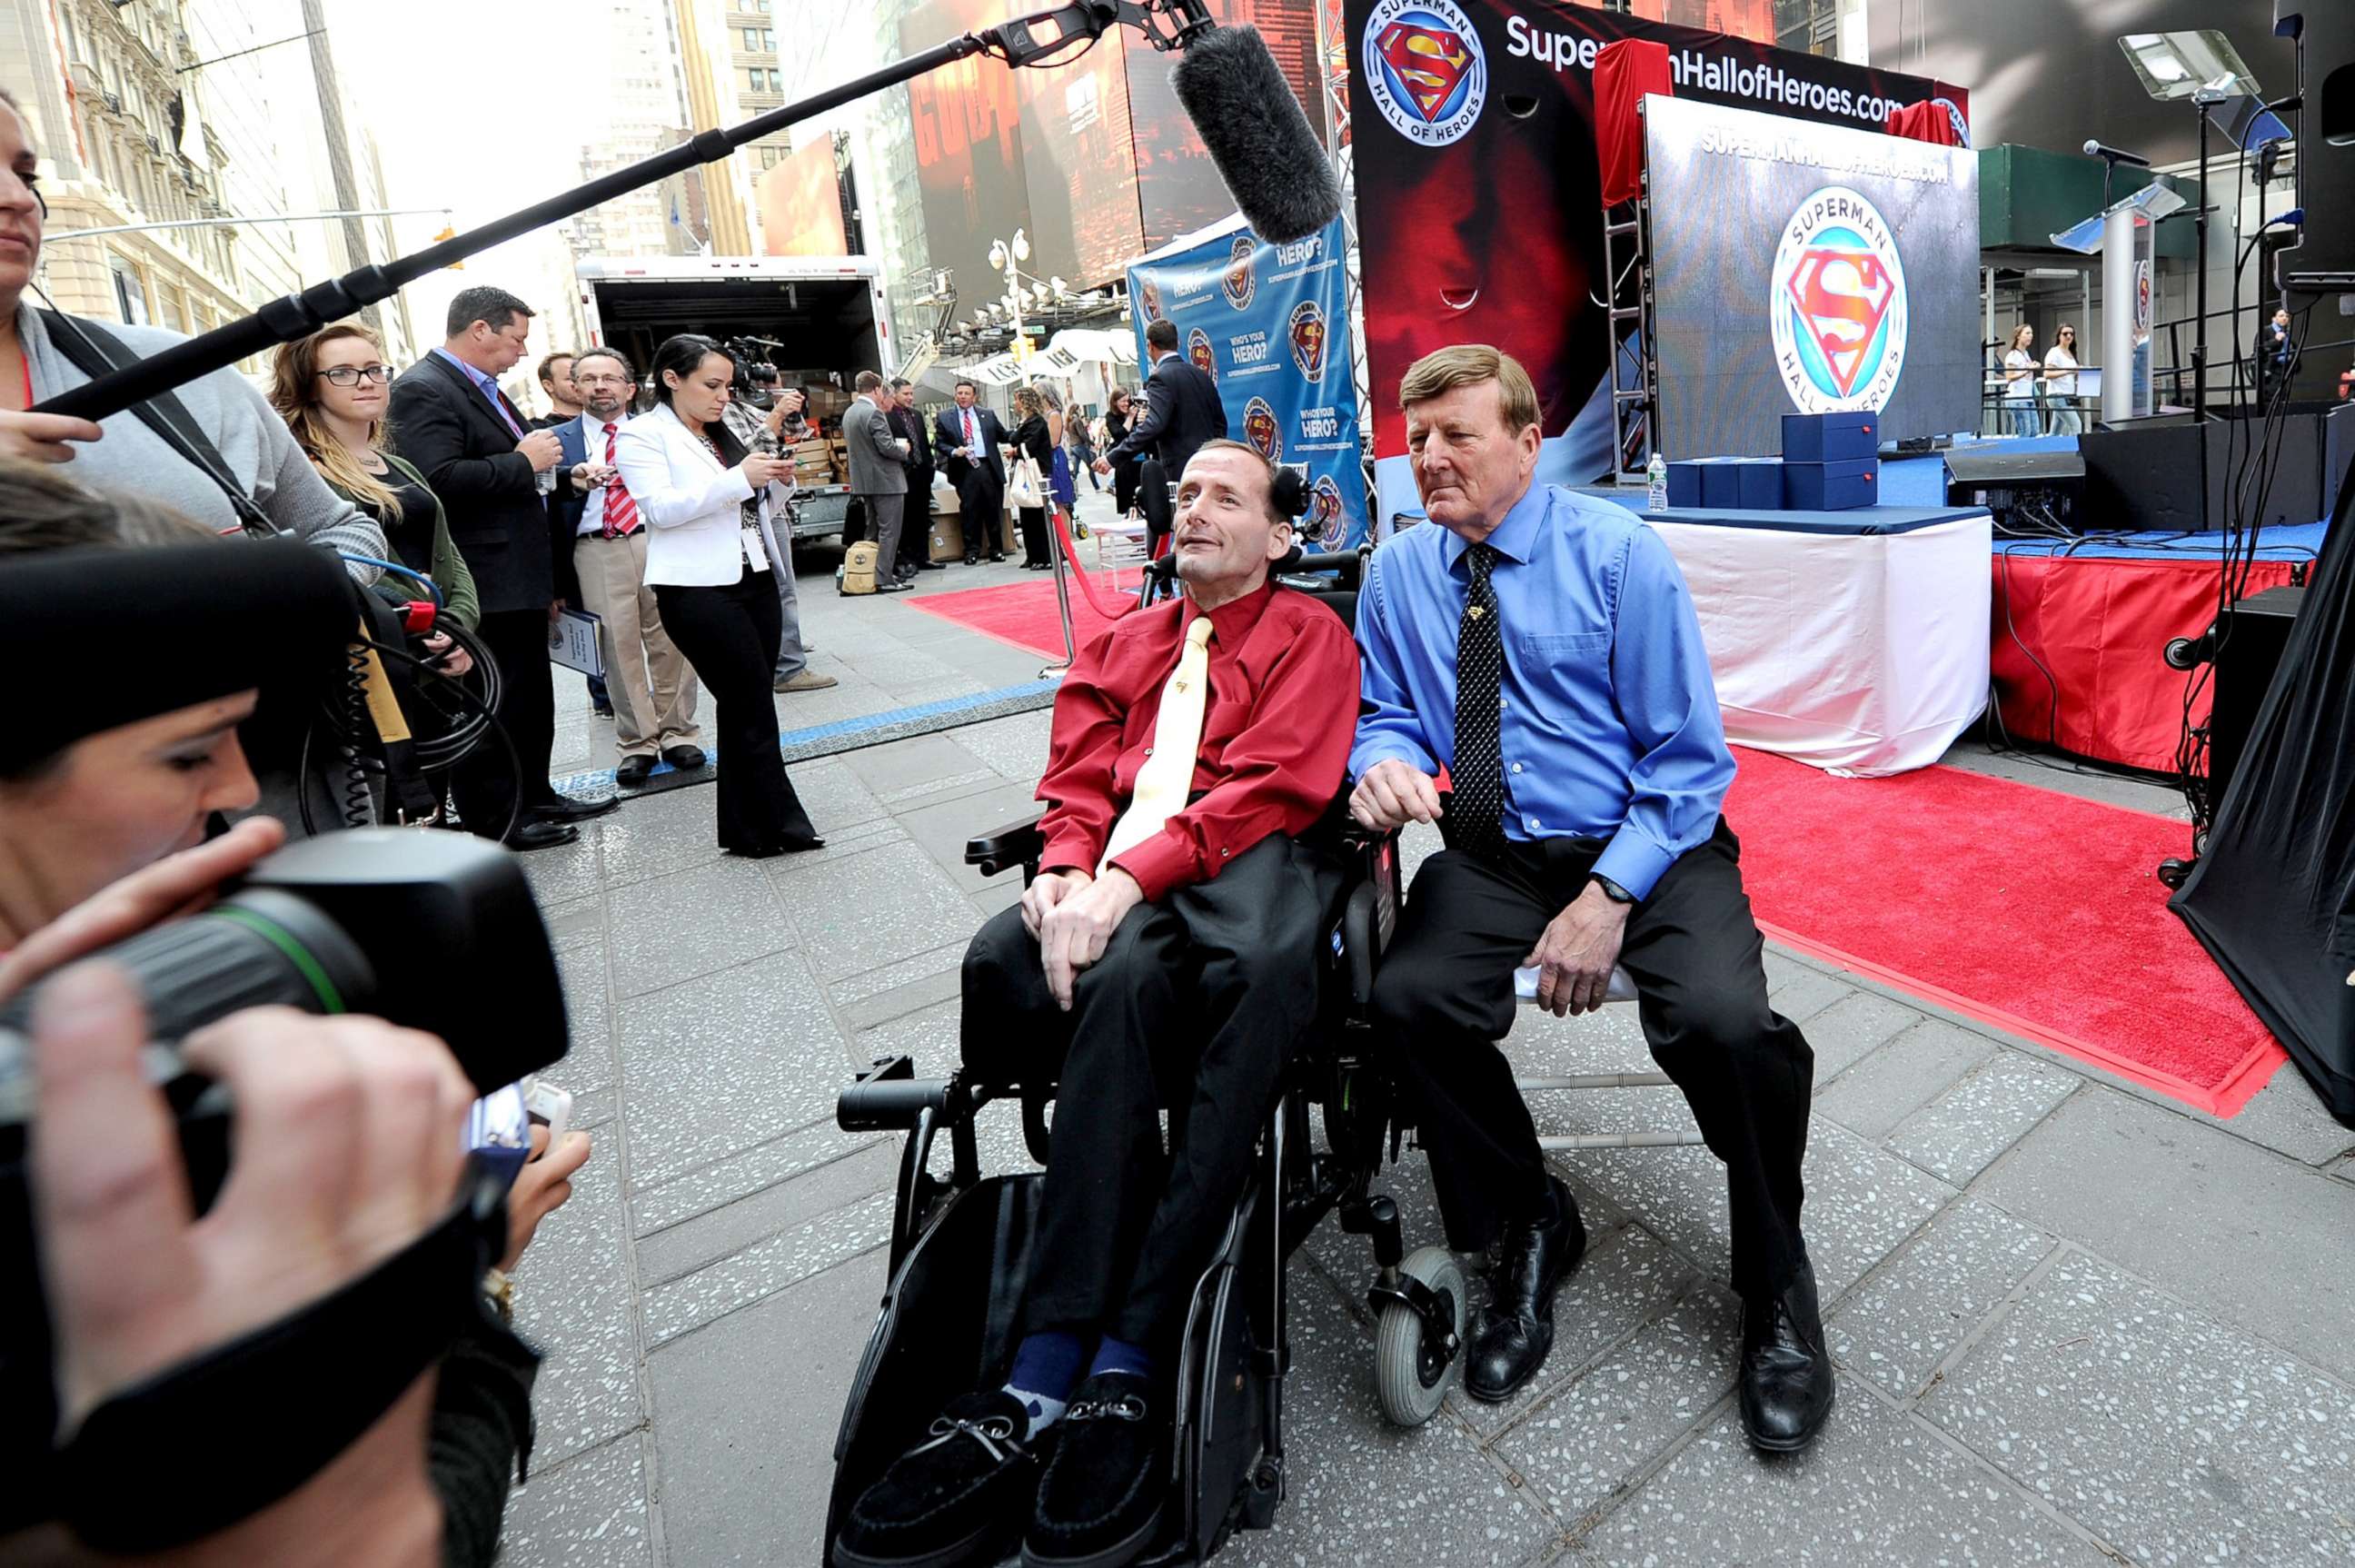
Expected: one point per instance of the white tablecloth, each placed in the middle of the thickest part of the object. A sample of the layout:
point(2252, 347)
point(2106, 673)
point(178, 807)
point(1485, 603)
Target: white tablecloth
point(1859, 654)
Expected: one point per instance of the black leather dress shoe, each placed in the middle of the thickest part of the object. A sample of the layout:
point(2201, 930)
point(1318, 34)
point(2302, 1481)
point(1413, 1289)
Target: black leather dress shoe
point(1786, 1374)
point(931, 566)
point(531, 834)
point(686, 759)
point(962, 1495)
point(633, 771)
point(567, 808)
point(972, 560)
point(1099, 1501)
point(1516, 1331)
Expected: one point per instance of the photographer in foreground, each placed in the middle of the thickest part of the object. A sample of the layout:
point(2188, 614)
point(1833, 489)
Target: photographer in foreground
point(348, 1130)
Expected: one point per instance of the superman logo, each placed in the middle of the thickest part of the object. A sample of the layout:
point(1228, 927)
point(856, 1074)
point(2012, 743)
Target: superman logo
point(1240, 283)
point(1306, 330)
point(1323, 524)
point(1841, 296)
point(1262, 431)
point(1198, 351)
point(1429, 63)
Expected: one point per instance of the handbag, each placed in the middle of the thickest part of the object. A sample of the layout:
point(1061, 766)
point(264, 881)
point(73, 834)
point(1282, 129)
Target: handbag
point(1024, 490)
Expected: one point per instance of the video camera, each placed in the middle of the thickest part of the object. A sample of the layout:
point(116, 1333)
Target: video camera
point(756, 373)
point(434, 931)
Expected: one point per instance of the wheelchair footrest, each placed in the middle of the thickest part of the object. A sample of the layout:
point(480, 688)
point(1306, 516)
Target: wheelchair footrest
point(1597, 1080)
point(1621, 1140)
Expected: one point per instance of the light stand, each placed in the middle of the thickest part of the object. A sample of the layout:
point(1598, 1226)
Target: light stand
point(1037, 40)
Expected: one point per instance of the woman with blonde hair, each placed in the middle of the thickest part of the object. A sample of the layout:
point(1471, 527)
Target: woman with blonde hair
point(1033, 438)
point(331, 389)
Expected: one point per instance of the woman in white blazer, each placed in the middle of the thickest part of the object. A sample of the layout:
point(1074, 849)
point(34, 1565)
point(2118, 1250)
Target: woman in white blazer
point(710, 548)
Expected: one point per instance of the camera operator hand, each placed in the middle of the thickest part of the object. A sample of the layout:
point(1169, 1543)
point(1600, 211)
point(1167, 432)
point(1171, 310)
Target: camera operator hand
point(760, 469)
point(786, 411)
point(541, 1187)
point(542, 450)
point(348, 1148)
point(448, 658)
point(42, 438)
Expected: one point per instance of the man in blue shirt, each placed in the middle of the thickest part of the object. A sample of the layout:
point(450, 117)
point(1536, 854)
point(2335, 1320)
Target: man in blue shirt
point(1541, 646)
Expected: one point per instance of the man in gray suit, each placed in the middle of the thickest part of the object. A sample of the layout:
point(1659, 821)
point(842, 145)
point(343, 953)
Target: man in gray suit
point(878, 476)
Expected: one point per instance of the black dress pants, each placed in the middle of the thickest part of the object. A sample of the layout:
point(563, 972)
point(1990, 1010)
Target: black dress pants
point(1153, 498)
point(1034, 535)
point(981, 509)
point(729, 634)
point(916, 523)
point(484, 783)
point(1123, 485)
point(1445, 993)
point(1198, 1003)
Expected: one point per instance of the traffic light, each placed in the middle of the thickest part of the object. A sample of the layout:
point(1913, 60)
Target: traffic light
point(450, 234)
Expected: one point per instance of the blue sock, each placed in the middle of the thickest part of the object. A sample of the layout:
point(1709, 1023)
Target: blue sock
point(1120, 1356)
point(1045, 1368)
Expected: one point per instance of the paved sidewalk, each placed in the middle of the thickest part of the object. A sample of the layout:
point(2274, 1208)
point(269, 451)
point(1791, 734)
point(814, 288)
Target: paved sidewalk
point(2076, 1323)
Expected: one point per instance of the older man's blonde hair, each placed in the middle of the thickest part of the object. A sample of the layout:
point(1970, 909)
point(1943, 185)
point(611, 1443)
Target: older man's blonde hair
point(1469, 365)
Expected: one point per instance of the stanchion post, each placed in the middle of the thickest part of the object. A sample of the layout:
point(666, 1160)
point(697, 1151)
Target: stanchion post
point(1062, 595)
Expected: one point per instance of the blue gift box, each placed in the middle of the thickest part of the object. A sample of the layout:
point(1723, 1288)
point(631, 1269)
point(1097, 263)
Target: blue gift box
point(1762, 485)
point(1684, 483)
point(1831, 437)
point(1721, 482)
point(1831, 486)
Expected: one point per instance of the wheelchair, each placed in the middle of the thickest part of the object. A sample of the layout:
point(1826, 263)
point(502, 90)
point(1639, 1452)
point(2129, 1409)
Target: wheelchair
point(960, 1246)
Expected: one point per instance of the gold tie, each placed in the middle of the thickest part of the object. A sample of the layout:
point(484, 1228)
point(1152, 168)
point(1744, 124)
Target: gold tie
point(1162, 783)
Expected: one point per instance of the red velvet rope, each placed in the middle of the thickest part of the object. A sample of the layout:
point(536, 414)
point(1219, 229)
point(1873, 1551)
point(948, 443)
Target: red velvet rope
point(1087, 585)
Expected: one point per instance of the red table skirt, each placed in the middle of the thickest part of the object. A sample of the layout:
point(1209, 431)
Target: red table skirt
point(2098, 627)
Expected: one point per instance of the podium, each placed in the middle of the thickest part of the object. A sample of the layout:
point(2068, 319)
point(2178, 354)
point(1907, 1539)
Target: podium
point(2122, 234)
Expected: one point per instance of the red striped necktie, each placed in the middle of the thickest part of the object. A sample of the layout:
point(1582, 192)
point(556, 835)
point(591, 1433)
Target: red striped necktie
point(621, 512)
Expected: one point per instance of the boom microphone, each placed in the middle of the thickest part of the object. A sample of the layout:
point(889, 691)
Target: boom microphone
point(2115, 154)
point(1257, 134)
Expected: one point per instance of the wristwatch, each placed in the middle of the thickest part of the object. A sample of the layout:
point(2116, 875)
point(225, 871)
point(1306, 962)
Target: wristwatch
point(1611, 890)
point(499, 1291)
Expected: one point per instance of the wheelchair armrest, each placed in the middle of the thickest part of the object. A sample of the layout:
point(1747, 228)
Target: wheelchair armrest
point(1371, 914)
point(888, 1096)
point(1002, 848)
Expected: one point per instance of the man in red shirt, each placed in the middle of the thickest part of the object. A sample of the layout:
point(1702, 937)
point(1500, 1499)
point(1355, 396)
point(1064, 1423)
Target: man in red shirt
point(1176, 910)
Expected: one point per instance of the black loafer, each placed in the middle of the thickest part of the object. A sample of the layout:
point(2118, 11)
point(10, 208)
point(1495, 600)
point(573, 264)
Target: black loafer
point(1786, 1376)
point(1101, 1499)
point(566, 808)
point(686, 759)
point(633, 771)
point(530, 834)
point(961, 1496)
point(1516, 1329)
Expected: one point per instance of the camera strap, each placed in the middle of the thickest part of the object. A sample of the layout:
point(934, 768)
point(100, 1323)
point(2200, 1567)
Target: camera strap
point(96, 351)
point(219, 1438)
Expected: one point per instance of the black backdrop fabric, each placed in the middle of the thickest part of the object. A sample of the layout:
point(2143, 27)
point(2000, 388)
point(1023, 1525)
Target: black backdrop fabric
point(2273, 897)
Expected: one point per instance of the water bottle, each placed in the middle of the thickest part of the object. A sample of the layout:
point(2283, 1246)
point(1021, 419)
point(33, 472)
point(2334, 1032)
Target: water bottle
point(1656, 478)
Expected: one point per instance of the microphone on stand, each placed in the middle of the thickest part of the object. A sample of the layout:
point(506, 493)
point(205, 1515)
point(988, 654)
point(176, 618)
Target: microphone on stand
point(2094, 149)
point(1256, 134)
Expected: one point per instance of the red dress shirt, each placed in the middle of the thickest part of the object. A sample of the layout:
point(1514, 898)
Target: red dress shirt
point(1276, 734)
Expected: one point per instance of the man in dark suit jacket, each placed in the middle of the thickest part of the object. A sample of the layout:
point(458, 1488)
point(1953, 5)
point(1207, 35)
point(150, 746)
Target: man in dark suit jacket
point(916, 526)
point(957, 435)
point(1182, 411)
point(451, 420)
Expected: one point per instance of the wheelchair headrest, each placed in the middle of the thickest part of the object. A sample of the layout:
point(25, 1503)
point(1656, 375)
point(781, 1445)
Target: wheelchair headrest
point(1350, 564)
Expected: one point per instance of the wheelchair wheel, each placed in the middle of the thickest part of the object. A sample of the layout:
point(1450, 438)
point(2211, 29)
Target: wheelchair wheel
point(1411, 1373)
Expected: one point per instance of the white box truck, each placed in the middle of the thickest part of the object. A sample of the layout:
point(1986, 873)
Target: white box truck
point(825, 314)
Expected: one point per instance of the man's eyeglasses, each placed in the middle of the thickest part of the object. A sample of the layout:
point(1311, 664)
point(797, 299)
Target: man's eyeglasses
point(352, 375)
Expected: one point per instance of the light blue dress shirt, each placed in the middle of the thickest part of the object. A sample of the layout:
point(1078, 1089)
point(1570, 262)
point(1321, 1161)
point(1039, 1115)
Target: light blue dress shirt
point(486, 385)
point(1611, 727)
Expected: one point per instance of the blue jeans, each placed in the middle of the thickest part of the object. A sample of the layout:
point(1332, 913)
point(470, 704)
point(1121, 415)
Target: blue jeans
point(2023, 418)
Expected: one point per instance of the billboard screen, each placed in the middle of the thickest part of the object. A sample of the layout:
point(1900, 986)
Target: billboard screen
point(1803, 267)
point(800, 204)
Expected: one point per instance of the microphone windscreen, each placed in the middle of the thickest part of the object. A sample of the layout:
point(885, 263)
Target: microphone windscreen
point(1257, 134)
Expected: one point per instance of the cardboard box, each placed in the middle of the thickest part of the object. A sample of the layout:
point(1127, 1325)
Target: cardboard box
point(947, 537)
point(1832, 437)
point(1831, 486)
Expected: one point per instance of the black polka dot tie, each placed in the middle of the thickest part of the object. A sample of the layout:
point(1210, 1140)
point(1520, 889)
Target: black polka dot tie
point(1474, 819)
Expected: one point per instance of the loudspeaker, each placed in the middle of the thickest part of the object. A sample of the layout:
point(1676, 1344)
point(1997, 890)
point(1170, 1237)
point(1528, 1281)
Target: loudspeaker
point(2147, 476)
point(2249, 651)
point(2323, 260)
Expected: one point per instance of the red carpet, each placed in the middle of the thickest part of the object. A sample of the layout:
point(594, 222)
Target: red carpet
point(2027, 909)
point(1024, 614)
point(2024, 908)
